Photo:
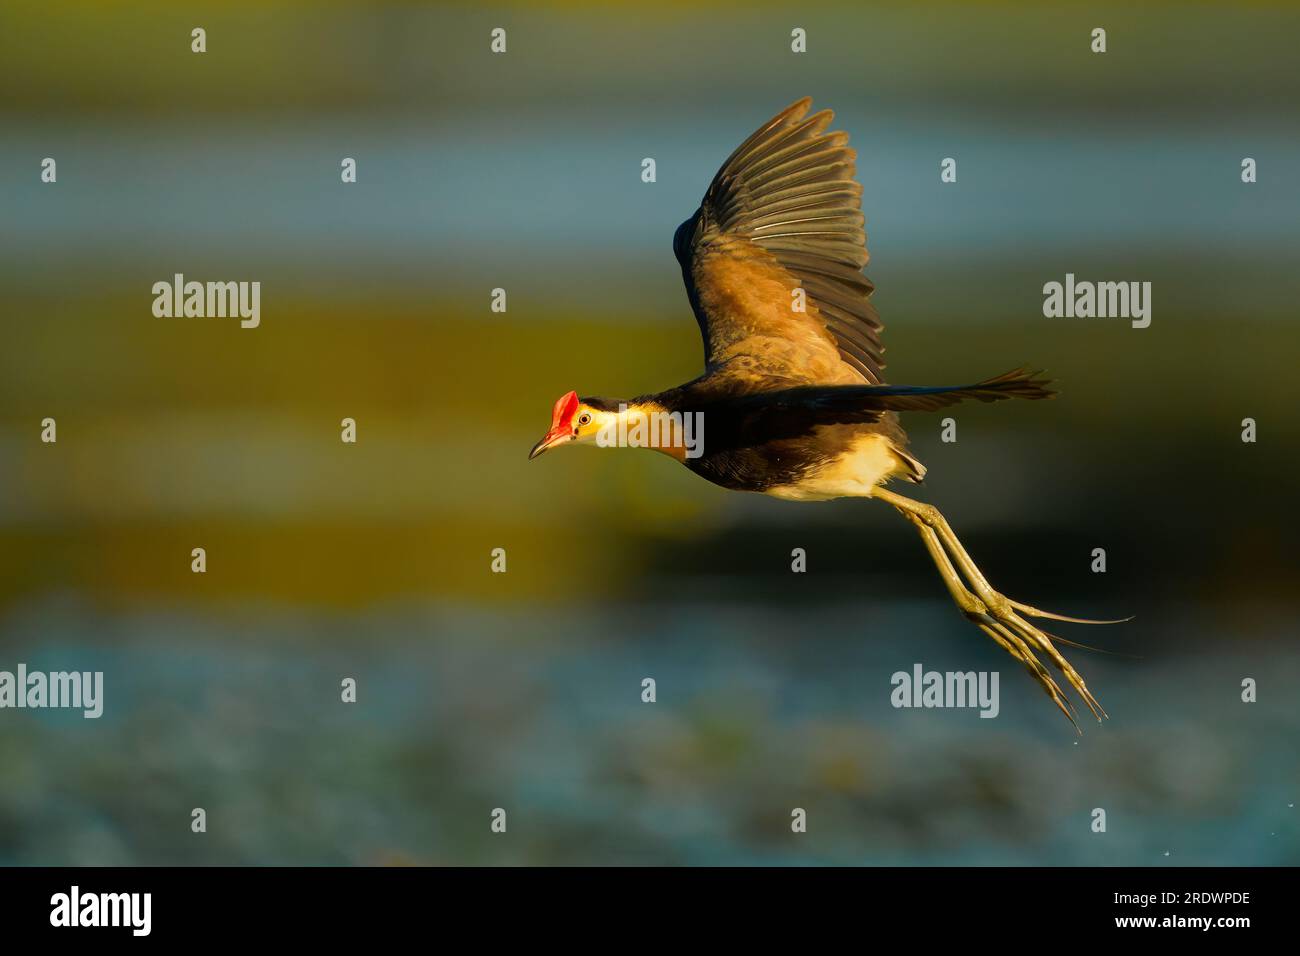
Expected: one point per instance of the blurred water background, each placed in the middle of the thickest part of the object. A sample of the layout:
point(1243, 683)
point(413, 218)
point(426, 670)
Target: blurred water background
point(522, 690)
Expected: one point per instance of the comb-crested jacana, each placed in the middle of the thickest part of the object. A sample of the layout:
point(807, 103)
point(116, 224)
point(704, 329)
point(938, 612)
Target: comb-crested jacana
point(791, 399)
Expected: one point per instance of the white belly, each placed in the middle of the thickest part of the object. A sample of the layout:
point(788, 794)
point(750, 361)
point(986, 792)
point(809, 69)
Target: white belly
point(869, 462)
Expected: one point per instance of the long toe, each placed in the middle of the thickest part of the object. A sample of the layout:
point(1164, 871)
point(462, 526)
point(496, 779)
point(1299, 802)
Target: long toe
point(1050, 615)
point(1016, 646)
point(1040, 640)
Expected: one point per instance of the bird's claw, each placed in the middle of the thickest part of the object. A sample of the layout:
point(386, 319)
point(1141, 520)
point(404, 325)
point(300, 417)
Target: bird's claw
point(1030, 641)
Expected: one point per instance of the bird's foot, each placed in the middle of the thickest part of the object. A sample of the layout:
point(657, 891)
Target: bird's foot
point(1024, 642)
point(1002, 619)
point(1030, 640)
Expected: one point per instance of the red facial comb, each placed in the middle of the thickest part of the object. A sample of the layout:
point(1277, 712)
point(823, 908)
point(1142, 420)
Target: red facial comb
point(562, 414)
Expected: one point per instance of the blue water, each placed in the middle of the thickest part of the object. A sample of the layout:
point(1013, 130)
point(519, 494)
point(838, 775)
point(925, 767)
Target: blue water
point(759, 710)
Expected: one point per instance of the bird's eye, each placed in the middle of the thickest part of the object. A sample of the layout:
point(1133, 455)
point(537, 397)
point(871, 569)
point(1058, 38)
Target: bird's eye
point(584, 419)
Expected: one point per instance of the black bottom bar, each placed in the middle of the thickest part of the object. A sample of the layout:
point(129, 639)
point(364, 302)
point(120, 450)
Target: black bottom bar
point(335, 905)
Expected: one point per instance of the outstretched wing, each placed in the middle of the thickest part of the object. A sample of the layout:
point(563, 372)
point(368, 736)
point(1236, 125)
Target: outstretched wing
point(783, 214)
point(826, 404)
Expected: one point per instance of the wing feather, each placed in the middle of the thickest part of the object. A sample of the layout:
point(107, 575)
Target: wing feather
point(785, 212)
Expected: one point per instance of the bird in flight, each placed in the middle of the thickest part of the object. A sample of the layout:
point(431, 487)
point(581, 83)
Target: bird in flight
point(792, 402)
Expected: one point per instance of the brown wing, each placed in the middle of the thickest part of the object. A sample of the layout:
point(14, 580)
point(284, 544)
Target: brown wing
point(784, 212)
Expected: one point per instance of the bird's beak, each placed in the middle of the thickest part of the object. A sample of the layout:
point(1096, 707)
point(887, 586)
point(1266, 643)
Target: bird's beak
point(556, 436)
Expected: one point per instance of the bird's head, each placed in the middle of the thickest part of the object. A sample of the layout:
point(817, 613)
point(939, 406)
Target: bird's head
point(573, 419)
